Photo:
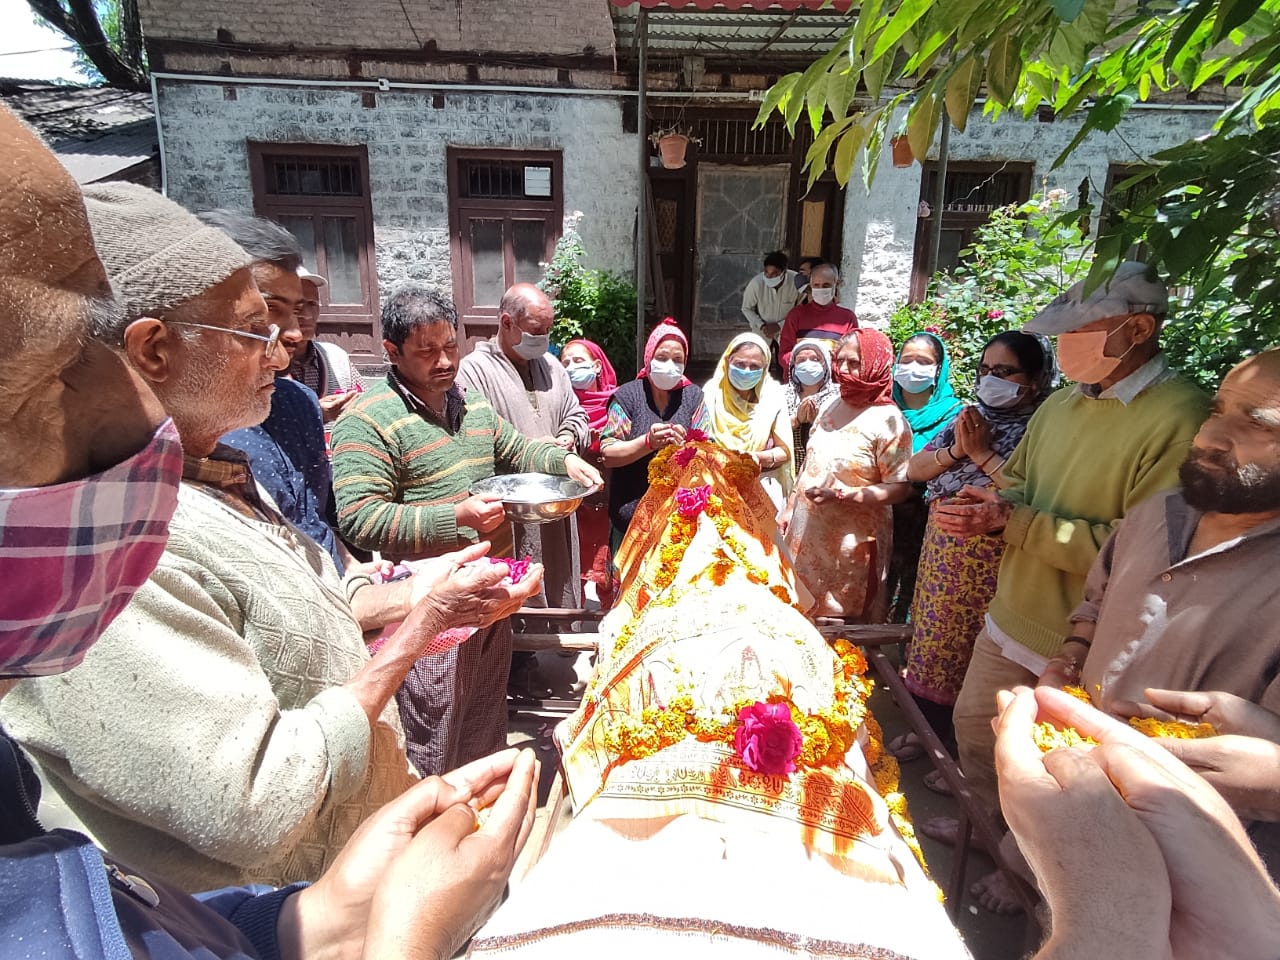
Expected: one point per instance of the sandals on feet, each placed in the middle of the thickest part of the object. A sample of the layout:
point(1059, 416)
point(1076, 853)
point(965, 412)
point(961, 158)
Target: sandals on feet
point(935, 781)
point(906, 747)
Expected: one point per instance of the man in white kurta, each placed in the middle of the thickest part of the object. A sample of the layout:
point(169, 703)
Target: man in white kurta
point(530, 389)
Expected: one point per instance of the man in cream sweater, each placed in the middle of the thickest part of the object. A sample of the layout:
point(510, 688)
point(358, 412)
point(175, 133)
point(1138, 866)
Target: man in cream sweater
point(230, 725)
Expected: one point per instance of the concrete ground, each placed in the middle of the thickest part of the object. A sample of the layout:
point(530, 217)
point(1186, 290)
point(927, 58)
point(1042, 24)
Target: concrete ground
point(989, 937)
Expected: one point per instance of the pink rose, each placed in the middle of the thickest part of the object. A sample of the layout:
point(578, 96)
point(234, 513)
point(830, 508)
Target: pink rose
point(994, 314)
point(519, 568)
point(695, 434)
point(767, 738)
point(932, 328)
point(691, 501)
point(684, 455)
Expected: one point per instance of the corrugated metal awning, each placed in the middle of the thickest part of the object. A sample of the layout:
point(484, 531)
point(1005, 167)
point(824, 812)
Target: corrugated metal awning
point(762, 5)
point(768, 35)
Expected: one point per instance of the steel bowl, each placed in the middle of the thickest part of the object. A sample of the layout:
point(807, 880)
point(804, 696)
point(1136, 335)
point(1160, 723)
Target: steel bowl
point(534, 497)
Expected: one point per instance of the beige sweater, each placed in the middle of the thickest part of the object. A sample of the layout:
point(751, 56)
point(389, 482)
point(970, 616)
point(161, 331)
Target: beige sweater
point(205, 736)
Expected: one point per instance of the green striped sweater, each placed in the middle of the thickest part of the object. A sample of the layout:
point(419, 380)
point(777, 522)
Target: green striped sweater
point(397, 473)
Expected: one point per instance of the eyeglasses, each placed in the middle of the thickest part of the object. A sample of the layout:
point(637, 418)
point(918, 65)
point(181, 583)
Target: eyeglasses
point(271, 339)
point(1001, 370)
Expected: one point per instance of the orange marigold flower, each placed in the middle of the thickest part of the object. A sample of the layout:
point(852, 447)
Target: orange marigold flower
point(1178, 729)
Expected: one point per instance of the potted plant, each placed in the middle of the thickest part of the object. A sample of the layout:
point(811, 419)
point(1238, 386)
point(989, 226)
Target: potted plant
point(672, 142)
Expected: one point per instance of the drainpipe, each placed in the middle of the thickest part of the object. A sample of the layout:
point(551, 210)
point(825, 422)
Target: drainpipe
point(164, 163)
point(642, 206)
point(939, 198)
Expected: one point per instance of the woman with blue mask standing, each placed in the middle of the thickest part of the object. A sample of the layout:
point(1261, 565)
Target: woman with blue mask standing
point(748, 412)
point(957, 577)
point(922, 391)
point(808, 387)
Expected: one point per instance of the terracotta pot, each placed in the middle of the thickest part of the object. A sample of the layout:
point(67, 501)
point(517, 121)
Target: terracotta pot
point(672, 148)
point(902, 155)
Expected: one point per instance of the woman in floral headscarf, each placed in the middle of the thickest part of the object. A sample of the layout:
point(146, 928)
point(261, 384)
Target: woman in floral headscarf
point(748, 412)
point(653, 411)
point(594, 382)
point(838, 523)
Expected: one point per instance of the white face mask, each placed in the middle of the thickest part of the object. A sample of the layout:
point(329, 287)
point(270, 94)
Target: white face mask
point(809, 372)
point(915, 377)
point(822, 295)
point(997, 393)
point(665, 374)
point(773, 281)
point(531, 347)
point(581, 374)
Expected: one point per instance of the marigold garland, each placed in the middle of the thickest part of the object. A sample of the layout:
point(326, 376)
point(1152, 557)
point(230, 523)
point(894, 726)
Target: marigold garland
point(828, 734)
point(886, 774)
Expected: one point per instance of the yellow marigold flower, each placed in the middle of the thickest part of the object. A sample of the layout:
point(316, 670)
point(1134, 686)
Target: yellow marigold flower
point(1080, 693)
point(1178, 729)
point(1049, 737)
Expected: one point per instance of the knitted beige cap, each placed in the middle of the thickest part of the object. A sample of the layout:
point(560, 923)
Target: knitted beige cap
point(157, 254)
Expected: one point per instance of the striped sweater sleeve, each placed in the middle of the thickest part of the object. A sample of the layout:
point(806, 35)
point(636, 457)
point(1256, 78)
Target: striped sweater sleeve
point(366, 486)
point(513, 452)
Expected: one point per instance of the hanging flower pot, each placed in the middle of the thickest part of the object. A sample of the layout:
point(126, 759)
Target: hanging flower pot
point(672, 148)
point(902, 155)
point(672, 144)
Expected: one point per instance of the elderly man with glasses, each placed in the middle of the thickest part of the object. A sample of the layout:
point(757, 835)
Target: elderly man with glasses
point(230, 725)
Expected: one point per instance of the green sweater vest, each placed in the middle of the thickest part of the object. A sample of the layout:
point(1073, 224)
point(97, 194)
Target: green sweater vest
point(398, 474)
point(1081, 466)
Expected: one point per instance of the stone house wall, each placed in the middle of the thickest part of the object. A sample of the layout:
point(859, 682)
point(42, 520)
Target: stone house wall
point(407, 133)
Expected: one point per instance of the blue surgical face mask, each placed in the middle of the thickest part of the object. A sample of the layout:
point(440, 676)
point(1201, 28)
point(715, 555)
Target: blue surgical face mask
point(809, 372)
point(581, 374)
point(742, 378)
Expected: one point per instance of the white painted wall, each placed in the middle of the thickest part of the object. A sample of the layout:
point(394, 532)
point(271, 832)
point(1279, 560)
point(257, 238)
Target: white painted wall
point(879, 228)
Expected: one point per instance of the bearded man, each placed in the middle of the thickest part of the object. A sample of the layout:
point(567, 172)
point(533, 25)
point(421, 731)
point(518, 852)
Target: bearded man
point(1180, 597)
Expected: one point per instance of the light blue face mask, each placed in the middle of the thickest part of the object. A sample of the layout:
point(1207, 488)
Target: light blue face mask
point(743, 379)
point(581, 375)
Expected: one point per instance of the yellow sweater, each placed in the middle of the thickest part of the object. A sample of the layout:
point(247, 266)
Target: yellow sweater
point(1082, 464)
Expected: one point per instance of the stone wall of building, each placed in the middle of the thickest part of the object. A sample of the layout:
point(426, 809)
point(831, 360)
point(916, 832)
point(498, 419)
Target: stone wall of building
point(406, 133)
point(879, 230)
point(565, 27)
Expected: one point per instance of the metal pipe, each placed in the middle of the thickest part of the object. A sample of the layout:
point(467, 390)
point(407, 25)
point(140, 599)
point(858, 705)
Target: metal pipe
point(939, 199)
point(164, 163)
point(642, 204)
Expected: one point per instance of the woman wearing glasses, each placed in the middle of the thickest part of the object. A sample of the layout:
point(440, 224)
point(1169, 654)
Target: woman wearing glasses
point(957, 578)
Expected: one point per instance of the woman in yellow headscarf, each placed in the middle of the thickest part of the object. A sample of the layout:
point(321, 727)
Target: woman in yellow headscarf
point(748, 412)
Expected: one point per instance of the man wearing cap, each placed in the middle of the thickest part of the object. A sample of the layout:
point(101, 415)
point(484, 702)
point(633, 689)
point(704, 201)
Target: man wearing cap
point(1090, 454)
point(230, 726)
point(324, 367)
point(287, 451)
point(85, 510)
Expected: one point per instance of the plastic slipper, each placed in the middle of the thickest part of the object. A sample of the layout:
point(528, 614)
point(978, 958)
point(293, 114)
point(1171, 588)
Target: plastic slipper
point(906, 747)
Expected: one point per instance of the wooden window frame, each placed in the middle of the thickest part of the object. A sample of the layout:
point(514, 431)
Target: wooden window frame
point(356, 326)
point(965, 221)
point(478, 322)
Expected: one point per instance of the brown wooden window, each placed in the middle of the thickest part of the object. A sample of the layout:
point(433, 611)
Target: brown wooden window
point(505, 213)
point(321, 195)
point(973, 192)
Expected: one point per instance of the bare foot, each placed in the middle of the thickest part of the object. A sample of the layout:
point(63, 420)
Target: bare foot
point(995, 893)
point(946, 830)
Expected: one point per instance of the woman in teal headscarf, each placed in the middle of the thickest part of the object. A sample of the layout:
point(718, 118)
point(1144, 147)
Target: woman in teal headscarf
point(922, 391)
point(922, 387)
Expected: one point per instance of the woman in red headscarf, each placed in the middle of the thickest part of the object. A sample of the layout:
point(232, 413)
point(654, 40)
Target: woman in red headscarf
point(654, 410)
point(838, 523)
point(594, 382)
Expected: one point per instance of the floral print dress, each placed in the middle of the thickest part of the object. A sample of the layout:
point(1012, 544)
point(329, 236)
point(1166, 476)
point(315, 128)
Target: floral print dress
point(840, 549)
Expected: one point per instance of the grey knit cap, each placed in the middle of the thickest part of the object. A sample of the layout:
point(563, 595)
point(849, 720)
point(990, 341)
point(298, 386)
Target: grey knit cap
point(157, 255)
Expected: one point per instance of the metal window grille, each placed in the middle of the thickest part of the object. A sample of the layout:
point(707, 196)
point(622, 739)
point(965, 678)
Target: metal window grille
point(496, 179)
point(978, 191)
point(301, 176)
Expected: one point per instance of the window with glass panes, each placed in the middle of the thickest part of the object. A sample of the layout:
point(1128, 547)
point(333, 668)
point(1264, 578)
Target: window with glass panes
point(321, 195)
point(505, 213)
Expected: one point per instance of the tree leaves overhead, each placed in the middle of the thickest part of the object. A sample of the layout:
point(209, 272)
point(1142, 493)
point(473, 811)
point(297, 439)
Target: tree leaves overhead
point(1212, 204)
